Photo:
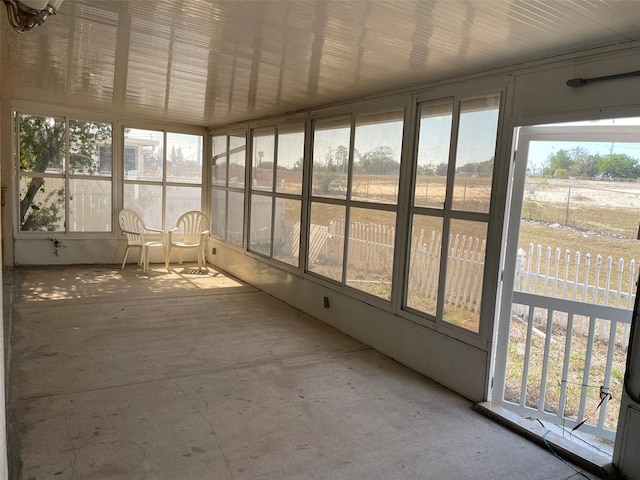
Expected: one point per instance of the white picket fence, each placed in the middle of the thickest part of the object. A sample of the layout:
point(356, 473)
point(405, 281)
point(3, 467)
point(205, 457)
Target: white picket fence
point(543, 271)
point(465, 264)
point(371, 248)
point(585, 278)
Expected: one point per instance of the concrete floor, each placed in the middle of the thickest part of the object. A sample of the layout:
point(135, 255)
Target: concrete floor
point(184, 376)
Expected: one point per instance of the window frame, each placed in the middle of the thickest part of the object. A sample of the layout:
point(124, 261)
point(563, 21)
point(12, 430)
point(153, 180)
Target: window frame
point(448, 214)
point(66, 175)
point(164, 183)
point(226, 186)
point(397, 103)
point(273, 192)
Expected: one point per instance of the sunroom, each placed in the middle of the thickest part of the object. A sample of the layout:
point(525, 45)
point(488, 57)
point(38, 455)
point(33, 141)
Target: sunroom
point(451, 184)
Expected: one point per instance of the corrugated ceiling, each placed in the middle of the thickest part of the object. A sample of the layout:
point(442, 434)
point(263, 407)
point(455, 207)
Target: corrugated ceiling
point(205, 62)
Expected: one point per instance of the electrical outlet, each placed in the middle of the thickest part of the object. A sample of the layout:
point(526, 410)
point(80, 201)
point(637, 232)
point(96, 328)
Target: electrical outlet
point(325, 301)
point(213, 250)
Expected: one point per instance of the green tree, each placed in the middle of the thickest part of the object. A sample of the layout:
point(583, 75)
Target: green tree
point(583, 163)
point(380, 160)
point(561, 160)
point(481, 169)
point(442, 169)
point(85, 140)
point(618, 165)
point(560, 173)
point(42, 151)
point(341, 159)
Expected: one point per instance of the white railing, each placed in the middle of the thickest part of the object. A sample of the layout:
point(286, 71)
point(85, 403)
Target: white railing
point(582, 278)
point(552, 368)
point(570, 323)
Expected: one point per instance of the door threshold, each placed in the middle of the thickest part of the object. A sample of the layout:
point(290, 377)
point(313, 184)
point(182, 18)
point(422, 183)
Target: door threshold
point(595, 459)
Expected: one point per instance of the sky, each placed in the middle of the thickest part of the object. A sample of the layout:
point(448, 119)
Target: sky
point(539, 151)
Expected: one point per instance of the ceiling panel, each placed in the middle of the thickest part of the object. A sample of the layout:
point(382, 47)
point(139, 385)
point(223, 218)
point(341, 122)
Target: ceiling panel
point(206, 62)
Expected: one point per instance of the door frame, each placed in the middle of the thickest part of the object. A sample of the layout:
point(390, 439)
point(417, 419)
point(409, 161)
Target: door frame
point(523, 136)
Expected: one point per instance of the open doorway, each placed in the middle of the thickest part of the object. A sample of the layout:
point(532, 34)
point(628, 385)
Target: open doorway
point(571, 262)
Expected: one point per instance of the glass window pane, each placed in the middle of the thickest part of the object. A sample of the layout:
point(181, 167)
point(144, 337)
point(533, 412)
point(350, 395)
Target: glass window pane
point(105, 160)
point(89, 205)
point(42, 204)
point(433, 155)
point(41, 144)
point(237, 156)
point(290, 160)
point(130, 160)
point(235, 218)
point(146, 200)
point(143, 159)
point(475, 153)
point(219, 160)
point(370, 251)
point(286, 231)
point(465, 266)
point(218, 213)
point(326, 240)
point(184, 158)
point(331, 157)
point(378, 145)
point(263, 152)
point(424, 263)
point(260, 225)
point(180, 200)
point(90, 148)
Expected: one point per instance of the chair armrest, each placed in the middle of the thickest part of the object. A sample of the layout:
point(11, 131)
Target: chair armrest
point(156, 230)
point(130, 232)
point(170, 234)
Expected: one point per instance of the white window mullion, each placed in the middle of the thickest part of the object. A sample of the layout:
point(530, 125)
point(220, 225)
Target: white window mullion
point(347, 213)
point(66, 170)
point(164, 227)
point(448, 201)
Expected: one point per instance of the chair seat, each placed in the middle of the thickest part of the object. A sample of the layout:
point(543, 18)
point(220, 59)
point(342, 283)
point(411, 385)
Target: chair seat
point(185, 244)
point(154, 243)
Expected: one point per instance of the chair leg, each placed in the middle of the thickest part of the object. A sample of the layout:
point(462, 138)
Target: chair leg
point(145, 258)
point(167, 256)
point(126, 252)
point(203, 257)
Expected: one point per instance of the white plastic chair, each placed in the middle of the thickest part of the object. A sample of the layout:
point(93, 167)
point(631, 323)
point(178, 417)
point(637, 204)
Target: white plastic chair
point(190, 231)
point(139, 236)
